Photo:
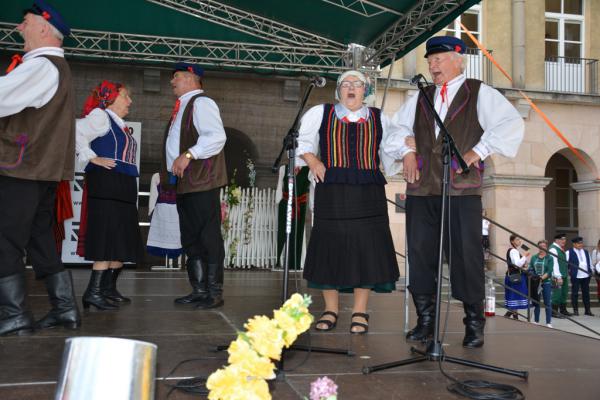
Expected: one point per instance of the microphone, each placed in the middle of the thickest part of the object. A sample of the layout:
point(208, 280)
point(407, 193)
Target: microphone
point(318, 81)
point(416, 79)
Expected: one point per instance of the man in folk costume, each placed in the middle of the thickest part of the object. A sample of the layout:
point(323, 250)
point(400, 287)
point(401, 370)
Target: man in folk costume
point(561, 275)
point(581, 270)
point(482, 122)
point(194, 161)
point(37, 150)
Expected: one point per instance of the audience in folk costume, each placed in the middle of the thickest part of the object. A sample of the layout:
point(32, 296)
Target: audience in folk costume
point(560, 275)
point(515, 279)
point(580, 271)
point(164, 237)
point(540, 270)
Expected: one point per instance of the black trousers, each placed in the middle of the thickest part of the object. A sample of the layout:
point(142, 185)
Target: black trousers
point(26, 219)
point(462, 245)
point(200, 226)
point(584, 284)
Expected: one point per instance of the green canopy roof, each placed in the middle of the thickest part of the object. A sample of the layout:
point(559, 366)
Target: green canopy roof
point(282, 36)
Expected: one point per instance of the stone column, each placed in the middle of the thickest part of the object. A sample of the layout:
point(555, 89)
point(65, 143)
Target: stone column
point(588, 203)
point(518, 43)
point(409, 66)
point(516, 202)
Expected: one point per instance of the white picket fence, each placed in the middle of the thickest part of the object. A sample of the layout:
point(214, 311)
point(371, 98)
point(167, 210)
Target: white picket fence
point(260, 251)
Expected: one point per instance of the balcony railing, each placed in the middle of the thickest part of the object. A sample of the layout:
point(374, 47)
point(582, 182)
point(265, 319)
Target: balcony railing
point(571, 75)
point(478, 66)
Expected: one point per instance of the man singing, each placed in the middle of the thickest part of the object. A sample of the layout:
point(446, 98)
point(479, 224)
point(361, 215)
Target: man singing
point(482, 123)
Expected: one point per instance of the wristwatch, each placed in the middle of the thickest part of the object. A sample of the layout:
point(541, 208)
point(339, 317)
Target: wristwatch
point(189, 155)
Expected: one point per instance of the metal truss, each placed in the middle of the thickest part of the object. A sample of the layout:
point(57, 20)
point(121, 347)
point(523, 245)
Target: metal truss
point(365, 8)
point(422, 17)
point(253, 24)
point(220, 54)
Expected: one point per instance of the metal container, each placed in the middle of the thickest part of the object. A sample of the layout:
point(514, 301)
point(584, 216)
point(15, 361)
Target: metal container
point(102, 368)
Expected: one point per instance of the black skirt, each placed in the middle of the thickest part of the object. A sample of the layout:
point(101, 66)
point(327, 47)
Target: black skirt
point(113, 232)
point(351, 244)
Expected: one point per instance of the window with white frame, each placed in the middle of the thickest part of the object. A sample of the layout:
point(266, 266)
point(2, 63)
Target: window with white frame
point(564, 30)
point(565, 67)
point(471, 19)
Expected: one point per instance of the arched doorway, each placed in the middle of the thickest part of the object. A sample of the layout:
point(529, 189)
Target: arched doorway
point(238, 149)
point(562, 205)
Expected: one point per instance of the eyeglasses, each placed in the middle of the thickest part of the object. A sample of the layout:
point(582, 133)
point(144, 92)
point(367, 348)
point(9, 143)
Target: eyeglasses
point(355, 84)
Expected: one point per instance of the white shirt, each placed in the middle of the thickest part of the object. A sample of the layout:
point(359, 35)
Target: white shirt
point(31, 84)
point(207, 121)
point(308, 134)
point(485, 227)
point(583, 265)
point(596, 259)
point(516, 259)
point(503, 127)
point(555, 267)
point(90, 127)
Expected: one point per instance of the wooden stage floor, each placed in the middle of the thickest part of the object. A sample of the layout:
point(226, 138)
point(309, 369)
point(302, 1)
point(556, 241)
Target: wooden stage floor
point(561, 365)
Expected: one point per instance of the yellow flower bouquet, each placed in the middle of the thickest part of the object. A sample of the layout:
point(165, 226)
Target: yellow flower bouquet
point(251, 354)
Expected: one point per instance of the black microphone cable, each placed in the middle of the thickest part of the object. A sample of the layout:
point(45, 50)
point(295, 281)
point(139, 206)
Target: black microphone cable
point(195, 385)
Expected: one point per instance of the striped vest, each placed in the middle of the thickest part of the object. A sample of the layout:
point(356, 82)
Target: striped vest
point(350, 150)
point(119, 145)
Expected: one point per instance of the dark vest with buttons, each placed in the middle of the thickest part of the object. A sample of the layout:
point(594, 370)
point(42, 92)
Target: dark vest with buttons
point(463, 124)
point(350, 150)
point(117, 144)
point(39, 143)
point(200, 175)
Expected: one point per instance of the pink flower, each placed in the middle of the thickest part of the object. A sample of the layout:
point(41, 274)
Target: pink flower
point(323, 388)
point(223, 211)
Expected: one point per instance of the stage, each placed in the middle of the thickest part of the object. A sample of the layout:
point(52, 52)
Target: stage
point(561, 365)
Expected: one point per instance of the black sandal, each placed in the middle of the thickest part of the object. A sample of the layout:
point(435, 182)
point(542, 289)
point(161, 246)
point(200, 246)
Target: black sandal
point(353, 324)
point(330, 324)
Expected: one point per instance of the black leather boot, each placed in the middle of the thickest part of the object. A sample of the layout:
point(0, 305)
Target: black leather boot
point(556, 313)
point(93, 294)
point(425, 305)
point(563, 310)
point(474, 323)
point(215, 288)
point(62, 298)
point(109, 286)
point(197, 275)
point(15, 318)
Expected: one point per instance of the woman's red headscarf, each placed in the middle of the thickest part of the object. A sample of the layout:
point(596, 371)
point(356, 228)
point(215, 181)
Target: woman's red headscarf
point(102, 96)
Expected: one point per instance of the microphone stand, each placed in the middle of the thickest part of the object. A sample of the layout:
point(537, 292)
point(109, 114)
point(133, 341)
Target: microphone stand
point(434, 350)
point(290, 143)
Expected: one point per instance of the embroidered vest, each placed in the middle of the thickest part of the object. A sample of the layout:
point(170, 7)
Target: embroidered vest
point(119, 145)
point(350, 150)
point(463, 124)
point(39, 143)
point(200, 175)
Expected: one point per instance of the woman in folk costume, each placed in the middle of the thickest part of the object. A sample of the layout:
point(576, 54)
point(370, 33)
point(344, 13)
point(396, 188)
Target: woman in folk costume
point(164, 237)
point(517, 268)
point(350, 248)
point(112, 234)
